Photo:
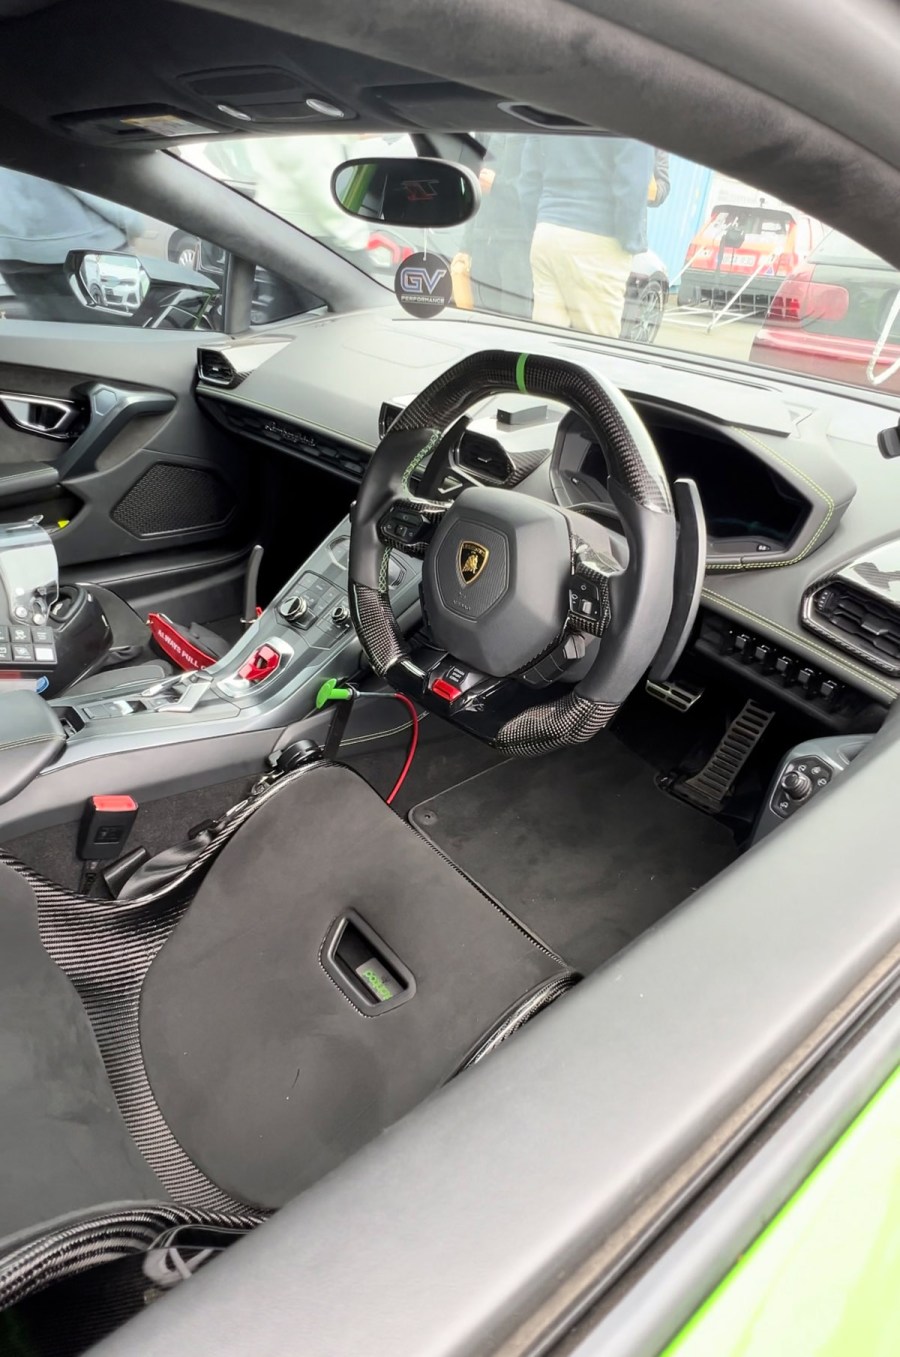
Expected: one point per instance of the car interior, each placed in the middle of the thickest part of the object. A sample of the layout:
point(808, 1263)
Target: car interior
point(428, 744)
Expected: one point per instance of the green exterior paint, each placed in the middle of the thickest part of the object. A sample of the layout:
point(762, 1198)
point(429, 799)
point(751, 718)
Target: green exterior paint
point(520, 373)
point(823, 1279)
point(331, 691)
point(360, 180)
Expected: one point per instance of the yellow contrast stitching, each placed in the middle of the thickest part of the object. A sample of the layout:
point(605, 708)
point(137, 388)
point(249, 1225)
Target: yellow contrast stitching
point(813, 485)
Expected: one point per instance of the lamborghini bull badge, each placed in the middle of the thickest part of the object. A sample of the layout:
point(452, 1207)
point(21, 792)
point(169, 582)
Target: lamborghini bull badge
point(473, 557)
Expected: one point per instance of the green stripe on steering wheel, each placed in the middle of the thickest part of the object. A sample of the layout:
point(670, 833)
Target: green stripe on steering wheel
point(520, 373)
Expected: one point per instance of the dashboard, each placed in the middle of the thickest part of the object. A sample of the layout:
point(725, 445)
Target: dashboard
point(751, 509)
point(802, 507)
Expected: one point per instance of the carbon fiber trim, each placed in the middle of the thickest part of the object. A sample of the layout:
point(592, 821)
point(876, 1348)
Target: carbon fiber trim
point(429, 511)
point(550, 725)
point(106, 947)
point(639, 471)
point(104, 1238)
point(376, 626)
point(529, 1008)
point(597, 570)
point(523, 464)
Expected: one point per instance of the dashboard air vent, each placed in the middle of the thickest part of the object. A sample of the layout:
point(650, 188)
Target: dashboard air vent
point(856, 621)
point(386, 416)
point(215, 369)
point(484, 457)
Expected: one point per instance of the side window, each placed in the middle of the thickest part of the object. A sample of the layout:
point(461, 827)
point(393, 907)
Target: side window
point(70, 256)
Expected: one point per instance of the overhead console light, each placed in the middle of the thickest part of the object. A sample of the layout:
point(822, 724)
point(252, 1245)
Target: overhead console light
point(264, 94)
point(327, 110)
point(540, 117)
point(234, 112)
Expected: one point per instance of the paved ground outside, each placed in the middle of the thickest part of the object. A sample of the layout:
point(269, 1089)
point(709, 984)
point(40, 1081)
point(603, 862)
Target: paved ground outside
point(726, 339)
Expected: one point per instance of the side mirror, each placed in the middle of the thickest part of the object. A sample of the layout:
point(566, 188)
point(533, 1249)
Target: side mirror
point(406, 191)
point(114, 283)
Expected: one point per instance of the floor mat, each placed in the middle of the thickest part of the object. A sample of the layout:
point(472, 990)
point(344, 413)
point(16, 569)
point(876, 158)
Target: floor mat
point(445, 756)
point(580, 845)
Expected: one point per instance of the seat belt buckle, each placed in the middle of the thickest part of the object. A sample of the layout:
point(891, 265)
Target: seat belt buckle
point(105, 825)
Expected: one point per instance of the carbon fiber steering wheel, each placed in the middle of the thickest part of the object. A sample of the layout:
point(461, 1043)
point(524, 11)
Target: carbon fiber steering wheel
point(513, 588)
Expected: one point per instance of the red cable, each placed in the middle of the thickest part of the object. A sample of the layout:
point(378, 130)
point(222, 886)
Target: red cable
point(413, 743)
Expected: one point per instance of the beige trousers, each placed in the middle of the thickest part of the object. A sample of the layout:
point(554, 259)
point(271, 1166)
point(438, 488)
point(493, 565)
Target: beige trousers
point(579, 279)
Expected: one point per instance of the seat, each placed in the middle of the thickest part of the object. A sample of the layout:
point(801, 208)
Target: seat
point(240, 1033)
point(64, 1144)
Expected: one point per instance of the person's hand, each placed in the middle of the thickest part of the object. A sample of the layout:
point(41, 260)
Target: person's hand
point(486, 178)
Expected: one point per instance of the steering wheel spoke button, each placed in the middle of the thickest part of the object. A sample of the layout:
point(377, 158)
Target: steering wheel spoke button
point(585, 599)
point(800, 780)
point(261, 664)
point(404, 526)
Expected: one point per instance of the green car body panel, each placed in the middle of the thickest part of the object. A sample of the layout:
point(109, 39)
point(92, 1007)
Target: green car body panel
point(823, 1279)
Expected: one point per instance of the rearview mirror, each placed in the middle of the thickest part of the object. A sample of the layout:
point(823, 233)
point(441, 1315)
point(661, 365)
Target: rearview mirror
point(115, 283)
point(401, 191)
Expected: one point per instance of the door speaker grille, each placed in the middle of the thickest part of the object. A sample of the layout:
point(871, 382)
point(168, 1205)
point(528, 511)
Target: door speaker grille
point(169, 499)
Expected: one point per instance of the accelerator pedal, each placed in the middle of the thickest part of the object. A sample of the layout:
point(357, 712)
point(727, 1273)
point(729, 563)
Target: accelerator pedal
point(709, 789)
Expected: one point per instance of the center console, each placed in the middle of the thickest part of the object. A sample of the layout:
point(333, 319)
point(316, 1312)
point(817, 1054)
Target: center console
point(268, 679)
point(209, 725)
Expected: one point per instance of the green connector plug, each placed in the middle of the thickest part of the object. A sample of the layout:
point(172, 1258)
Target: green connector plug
point(331, 691)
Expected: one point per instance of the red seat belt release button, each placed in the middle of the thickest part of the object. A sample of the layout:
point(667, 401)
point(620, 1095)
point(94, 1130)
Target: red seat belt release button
point(263, 662)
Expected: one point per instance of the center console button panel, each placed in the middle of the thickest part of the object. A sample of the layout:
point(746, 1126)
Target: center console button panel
point(295, 609)
point(310, 599)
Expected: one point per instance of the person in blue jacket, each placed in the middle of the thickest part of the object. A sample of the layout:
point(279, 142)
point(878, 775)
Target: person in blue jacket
point(586, 199)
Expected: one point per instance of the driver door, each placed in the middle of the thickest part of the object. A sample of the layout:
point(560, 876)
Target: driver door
point(100, 436)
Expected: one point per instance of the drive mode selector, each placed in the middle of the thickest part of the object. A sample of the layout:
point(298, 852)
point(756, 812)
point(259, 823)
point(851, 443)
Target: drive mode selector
point(293, 608)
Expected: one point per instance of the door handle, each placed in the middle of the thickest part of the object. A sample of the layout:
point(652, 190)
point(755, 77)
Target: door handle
point(111, 408)
point(43, 415)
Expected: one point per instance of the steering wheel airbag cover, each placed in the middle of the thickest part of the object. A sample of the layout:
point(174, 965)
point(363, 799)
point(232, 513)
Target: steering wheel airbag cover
point(514, 607)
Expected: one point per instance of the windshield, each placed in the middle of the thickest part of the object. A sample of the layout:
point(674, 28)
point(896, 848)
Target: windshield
point(610, 237)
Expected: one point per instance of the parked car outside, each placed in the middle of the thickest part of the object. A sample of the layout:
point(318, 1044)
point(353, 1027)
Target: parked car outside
point(745, 247)
point(836, 316)
point(645, 298)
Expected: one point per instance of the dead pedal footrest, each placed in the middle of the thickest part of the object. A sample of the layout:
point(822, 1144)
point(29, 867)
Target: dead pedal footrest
point(710, 788)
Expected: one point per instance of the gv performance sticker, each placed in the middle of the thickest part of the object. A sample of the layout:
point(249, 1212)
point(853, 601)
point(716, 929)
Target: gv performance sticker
point(423, 285)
